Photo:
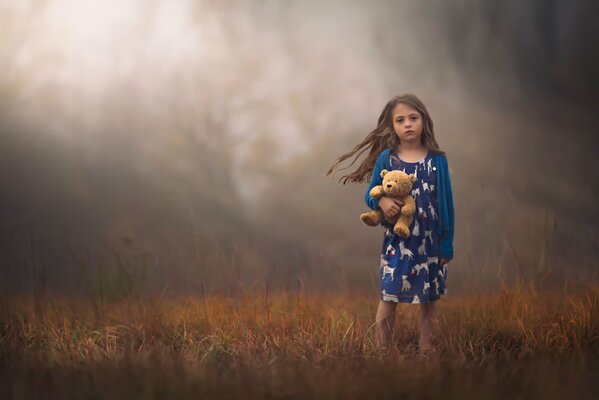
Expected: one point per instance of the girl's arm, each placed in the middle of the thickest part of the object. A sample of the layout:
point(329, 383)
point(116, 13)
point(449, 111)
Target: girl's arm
point(446, 241)
point(376, 180)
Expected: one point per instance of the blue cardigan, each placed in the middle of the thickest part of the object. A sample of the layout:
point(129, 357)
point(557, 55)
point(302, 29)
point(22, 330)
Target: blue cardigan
point(444, 197)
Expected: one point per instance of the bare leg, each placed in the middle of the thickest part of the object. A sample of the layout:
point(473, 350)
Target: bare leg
point(385, 319)
point(427, 313)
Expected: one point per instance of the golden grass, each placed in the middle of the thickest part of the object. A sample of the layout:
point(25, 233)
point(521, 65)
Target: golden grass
point(544, 344)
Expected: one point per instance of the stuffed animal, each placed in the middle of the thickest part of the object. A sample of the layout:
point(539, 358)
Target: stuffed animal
point(396, 184)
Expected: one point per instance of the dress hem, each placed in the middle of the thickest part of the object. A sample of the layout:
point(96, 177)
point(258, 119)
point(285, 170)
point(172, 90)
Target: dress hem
point(409, 300)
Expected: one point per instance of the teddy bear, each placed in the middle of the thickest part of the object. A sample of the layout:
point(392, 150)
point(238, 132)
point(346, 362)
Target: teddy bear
point(396, 184)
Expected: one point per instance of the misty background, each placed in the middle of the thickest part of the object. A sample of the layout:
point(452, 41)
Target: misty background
point(179, 146)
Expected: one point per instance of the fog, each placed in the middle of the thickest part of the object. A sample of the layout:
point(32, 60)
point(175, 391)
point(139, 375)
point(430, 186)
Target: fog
point(180, 146)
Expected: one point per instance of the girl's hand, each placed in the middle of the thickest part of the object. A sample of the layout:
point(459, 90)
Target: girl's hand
point(443, 261)
point(390, 206)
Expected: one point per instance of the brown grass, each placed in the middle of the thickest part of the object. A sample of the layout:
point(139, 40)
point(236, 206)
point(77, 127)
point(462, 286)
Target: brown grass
point(515, 343)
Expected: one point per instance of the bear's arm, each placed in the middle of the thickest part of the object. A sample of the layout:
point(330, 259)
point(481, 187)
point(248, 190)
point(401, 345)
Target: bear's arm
point(376, 192)
point(409, 206)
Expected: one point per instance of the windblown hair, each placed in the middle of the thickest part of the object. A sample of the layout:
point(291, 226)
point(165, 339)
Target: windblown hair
point(384, 137)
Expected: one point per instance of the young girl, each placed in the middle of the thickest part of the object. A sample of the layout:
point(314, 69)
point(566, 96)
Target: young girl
point(413, 269)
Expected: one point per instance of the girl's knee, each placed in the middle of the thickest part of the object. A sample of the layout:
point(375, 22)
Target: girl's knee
point(388, 305)
point(428, 308)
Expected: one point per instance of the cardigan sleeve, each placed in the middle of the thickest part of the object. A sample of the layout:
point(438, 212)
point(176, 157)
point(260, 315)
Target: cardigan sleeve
point(375, 180)
point(446, 240)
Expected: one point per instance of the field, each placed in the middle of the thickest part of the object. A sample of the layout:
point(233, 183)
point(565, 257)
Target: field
point(517, 343)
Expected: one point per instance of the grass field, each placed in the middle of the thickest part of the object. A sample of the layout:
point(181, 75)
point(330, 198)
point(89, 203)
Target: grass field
point(518, 343)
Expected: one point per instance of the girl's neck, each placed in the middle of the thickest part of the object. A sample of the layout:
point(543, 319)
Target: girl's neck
point(410, 148)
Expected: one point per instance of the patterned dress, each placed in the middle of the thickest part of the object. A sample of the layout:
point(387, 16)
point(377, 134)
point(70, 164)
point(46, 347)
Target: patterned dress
point(409, 268)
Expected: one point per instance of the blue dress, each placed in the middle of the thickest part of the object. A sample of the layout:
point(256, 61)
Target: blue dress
point(409, 268)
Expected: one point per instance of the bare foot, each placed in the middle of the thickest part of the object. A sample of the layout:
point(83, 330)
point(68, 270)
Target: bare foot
point(426, 350)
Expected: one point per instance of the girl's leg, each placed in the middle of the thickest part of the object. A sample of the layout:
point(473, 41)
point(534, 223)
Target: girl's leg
point(427, 314)
point(385, 318)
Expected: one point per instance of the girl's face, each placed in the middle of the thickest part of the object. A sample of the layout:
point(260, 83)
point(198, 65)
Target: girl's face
point(407, 123)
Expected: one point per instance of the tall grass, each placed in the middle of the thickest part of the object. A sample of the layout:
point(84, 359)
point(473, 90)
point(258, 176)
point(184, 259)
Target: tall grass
point(518, 340)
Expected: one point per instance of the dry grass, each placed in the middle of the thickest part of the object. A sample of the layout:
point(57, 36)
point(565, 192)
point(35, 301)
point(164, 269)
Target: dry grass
point(516, 343)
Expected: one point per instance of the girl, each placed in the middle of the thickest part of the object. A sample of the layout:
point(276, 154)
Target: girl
point(413, 269)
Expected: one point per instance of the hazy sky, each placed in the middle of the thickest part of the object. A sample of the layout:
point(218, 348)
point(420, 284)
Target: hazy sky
point(137, 118)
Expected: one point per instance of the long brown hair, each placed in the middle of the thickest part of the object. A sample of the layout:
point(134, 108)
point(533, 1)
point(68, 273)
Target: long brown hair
point(384, 137)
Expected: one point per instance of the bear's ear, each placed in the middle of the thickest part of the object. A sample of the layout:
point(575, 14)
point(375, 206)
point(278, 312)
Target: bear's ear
point(383, 173)
point(412, 178)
